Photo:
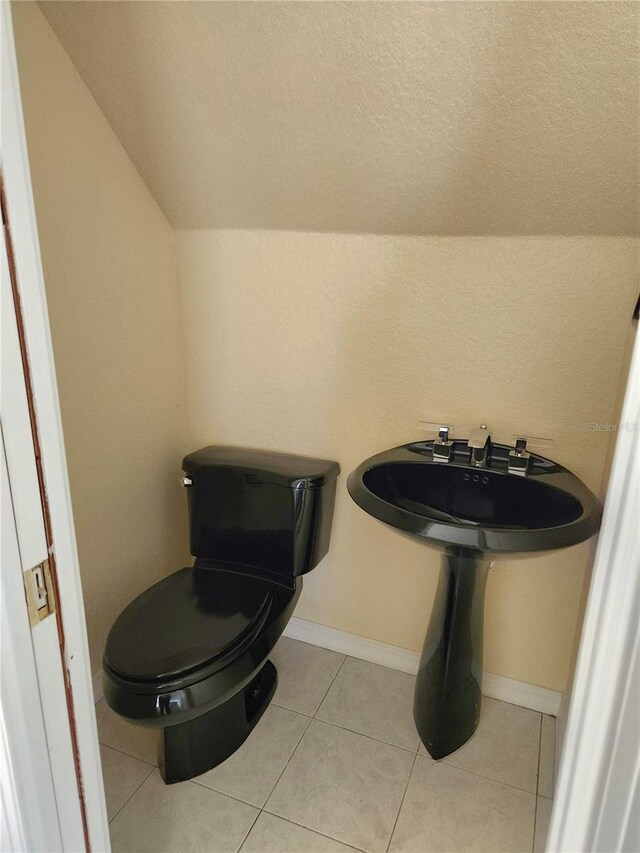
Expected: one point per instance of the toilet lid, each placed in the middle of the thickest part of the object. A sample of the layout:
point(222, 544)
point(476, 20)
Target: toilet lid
point(185, 622)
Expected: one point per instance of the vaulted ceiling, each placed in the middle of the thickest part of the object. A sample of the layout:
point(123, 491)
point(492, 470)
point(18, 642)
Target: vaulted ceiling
point(382, 117)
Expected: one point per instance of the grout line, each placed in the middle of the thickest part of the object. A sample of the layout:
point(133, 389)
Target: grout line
point(132, 794)
point(539, 756)
point(288, 761)
point(412, 749)
point(274, 784)
point(312, 716)
point(346, 728)
point(535, 807)
point(363, 734)
point(315, 831)
point(128, 754)
point(194, 781)
point(479, 775)
point(355, 731)
point(416, 754)
point(253, 823)
point(324, 695)
point(293, 710)
point(404, 794)
point(535, 825)
point(501, 688)
point(417, 751)
point(427, 756)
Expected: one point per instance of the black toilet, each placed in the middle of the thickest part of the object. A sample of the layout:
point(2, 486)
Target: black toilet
point(189, 655)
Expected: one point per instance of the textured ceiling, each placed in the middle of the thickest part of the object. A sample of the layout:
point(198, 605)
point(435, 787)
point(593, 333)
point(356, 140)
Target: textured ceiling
point(383, 117)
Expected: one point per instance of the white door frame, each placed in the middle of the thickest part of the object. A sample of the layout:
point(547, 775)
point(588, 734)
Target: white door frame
point(597, 805)
point(63, 669)
point(25, 779)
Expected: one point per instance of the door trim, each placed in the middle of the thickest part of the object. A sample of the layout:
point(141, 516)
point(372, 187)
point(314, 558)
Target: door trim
point(598, 781)
point(37, 341)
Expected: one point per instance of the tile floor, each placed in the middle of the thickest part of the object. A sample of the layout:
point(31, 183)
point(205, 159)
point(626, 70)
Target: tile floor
point(336, 765)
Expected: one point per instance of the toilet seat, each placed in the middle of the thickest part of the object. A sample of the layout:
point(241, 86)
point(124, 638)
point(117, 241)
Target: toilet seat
point(192, 621)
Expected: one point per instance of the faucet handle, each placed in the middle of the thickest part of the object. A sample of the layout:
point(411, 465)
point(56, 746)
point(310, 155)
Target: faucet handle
point(532, 440)
point(435, 426)
point(519, 458)
point(442, 445)
point(521, 446)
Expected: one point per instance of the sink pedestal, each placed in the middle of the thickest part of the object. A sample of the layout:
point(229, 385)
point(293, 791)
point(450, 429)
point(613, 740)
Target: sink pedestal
point(448, 692)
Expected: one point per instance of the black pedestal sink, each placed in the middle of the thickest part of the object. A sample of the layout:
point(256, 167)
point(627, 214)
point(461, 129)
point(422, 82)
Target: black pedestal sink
point(474, 515)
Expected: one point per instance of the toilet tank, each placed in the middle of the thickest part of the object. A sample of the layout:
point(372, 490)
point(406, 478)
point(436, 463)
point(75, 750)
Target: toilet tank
point(262, 511)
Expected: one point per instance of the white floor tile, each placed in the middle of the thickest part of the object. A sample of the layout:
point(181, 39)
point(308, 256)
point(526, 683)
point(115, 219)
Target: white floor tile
point(181, 818)
point(271, 834)
point(543, 818)
point(446, 809)
point(546, 771)
point(304, 674)
point(505, 746)
point(346, 775)
point(343, 785)
point(114, 731)
point(374, 701)
point(251, 772)
point(122, 776)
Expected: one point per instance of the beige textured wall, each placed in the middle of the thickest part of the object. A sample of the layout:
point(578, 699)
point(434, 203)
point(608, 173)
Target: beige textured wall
point(378, 117)
point(337, 345)
point(110, 272)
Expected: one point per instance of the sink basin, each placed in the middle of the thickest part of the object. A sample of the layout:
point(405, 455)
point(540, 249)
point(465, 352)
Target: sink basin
point(483, 509)
point(473, 515)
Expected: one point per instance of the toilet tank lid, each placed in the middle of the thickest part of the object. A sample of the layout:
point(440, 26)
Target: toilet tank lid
point(264, 466)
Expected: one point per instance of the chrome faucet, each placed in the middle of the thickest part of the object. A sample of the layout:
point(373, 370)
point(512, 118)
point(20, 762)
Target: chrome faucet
point(479, 443)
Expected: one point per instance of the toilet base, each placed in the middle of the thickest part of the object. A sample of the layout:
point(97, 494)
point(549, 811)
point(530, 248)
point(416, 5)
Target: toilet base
point(189, 749)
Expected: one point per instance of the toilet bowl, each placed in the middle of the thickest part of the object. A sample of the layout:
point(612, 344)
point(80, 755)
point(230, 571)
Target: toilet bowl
point(189, 656)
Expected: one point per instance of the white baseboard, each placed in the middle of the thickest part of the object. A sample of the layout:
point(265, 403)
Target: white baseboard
point(350, 644)
point(521, 693)
point(495, 686)
point(97, 687)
